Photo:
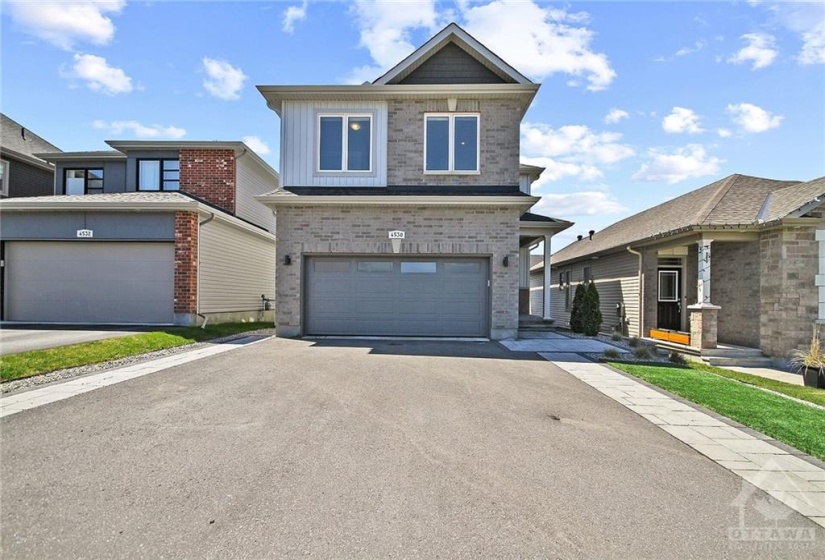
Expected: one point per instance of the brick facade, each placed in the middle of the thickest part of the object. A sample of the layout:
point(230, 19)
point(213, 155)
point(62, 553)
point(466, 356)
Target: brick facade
point(480, 231)
point(789, 263)
point(28, 180)
point(186, 262)
point(210, 175)
point(499, 142)
point(735, 287)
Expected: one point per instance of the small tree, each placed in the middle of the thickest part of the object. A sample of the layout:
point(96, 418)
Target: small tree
point(576, 324)
point(591, 312)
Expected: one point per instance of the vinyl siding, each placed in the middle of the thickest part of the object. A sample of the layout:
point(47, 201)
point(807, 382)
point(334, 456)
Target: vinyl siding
point(299, 145)
point(235, 268)
point(617, 279)
point(253, 180)
point(537, 293)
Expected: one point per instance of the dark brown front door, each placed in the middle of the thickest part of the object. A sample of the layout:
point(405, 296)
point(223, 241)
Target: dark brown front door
point(669, 296)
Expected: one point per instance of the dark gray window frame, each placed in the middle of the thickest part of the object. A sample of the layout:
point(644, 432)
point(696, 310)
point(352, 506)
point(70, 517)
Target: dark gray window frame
point(161, 180)
point(98, 190)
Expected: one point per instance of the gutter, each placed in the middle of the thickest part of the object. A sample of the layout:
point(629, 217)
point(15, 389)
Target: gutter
point(641, 291)
point(198, 296)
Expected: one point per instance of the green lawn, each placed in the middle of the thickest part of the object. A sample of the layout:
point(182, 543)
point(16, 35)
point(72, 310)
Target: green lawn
point(26, 364)
point(796, 424)
point(810, 394)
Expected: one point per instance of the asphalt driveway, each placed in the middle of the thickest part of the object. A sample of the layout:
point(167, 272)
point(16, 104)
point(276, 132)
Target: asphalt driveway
point(360, 449)
point(14, 340)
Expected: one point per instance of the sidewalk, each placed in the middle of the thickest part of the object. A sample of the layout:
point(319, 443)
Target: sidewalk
point(19, 402)
point(790, 479)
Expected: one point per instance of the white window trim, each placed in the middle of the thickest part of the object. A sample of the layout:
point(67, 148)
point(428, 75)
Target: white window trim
point(344, 139)
point(675, 298)
point(4, 186)
point(451, 145)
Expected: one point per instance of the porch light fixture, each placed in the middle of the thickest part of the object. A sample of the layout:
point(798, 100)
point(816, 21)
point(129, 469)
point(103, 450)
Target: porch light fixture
point(287, 260)
point(506, 261)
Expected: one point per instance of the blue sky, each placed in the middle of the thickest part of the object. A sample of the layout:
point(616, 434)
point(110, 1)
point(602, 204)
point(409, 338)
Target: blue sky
point(640, 102)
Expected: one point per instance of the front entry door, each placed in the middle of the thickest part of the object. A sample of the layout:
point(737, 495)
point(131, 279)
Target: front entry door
point(670, 306)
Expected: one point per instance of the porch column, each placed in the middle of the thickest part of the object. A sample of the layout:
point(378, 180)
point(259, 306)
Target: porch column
point(524, 280)
point(548, 278)
point(703, 314)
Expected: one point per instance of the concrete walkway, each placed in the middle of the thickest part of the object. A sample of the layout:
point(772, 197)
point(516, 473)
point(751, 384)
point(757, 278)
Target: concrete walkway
point(59, 391)
point(771, 373)
point(791, 480)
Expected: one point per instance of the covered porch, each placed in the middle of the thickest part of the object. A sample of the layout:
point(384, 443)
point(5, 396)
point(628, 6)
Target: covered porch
point(535, 233)
point(702, 290)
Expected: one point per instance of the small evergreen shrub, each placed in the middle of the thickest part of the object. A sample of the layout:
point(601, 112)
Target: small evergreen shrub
point(576, 310)
point(591, 311)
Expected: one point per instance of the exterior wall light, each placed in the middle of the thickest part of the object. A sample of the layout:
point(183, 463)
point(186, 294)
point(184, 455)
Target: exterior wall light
point(287, 260)
point(506, 261)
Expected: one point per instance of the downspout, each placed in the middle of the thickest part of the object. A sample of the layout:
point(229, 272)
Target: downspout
point(198, 297)
point(641, 291)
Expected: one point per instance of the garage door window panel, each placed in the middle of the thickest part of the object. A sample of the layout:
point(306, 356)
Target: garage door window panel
point(84, 181)
point(418, 267)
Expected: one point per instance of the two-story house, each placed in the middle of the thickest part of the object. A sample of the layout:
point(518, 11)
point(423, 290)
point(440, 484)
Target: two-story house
point(150, 232)
point(22, 173)
point(402, 208)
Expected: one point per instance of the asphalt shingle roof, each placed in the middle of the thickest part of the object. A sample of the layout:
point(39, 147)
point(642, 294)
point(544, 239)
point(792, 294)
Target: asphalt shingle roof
point(734, 200)
point(126, 197)
point(17, 138)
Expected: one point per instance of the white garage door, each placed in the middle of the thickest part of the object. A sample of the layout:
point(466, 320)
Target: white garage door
point(90, 282)
point(397, 296)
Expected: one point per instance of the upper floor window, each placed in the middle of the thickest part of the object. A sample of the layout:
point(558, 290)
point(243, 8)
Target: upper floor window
point(451, 143)
point(158, 175)
point(4, 177)
point(84, 181)
point(345, 143)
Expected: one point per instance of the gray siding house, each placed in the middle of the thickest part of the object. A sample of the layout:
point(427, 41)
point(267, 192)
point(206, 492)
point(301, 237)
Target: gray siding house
point(22, 173)
point(403, 209)
point(740, 262)
point(146, 233)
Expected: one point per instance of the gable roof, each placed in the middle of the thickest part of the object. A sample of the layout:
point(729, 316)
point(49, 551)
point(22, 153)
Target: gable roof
point(452, 34)
point(737, 200)
point(17, 140)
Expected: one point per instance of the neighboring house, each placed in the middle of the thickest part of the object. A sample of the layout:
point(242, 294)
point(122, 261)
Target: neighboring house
point(740, 261)
point(403, 208)
point(148, 233)
point(22, 173)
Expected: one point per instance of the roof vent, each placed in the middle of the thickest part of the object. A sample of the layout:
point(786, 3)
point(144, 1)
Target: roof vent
point(23, 133)
point(579, 237)
point(591, 232)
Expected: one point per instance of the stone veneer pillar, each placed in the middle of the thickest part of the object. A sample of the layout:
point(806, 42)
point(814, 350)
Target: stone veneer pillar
point(704, 319)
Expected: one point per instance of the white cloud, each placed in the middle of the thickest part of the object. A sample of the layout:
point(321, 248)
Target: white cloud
point(615, 115)
point(385, 32)
point(256, 145)
point(585, 203)
point(98, 75)
point(138, 130)
point(540, 41)
point(752, 118)
point(760, 50)
point(682, 120)
point(724, 132)
point(65, 23)
point(807, 20)
point(573, 151)
point(697, 46)
point(683, 163)
point(292, 15)
point(224, 81)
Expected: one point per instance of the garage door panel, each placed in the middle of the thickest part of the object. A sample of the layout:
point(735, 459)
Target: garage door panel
point(83, 282)
point(397, 296)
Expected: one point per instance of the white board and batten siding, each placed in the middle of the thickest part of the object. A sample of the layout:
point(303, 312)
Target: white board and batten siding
point(236, 267)
point(254, 180)
point(537, 293)
point(299, 145)
point(617, 279)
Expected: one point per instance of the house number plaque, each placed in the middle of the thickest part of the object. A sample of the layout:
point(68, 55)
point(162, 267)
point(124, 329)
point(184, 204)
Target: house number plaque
point(87, 233)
